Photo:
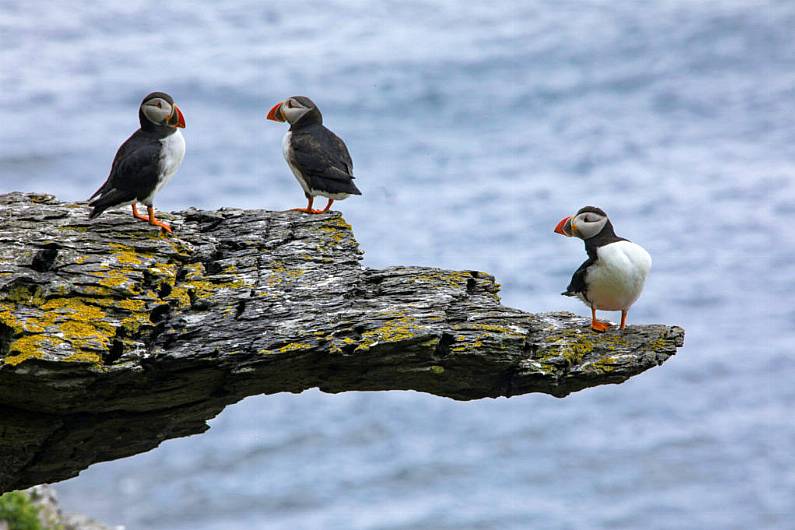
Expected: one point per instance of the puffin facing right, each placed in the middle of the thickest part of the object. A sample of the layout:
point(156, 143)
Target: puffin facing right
point(612, 277)
point(317, 157)
point(145, 161)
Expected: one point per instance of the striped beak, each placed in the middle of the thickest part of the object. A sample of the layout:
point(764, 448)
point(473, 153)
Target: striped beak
point(176, 119)
point(564, 227)
point(276, 114)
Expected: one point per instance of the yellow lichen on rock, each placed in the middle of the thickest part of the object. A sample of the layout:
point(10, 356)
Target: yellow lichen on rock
point(84, 357)
point(397, 329)
point(295, 346)
point(457, 279)
point(24, 348)
point(125, 254)
point(280, 273)
point(336, 229)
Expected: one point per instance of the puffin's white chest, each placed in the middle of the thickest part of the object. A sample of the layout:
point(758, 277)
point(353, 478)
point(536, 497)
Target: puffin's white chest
point(287, 151)
point(172, 153)
point(616, 280)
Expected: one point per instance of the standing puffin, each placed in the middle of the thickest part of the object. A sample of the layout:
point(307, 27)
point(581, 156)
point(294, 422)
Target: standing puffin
point(146, 161)
point(612, 277)
point(318, 158)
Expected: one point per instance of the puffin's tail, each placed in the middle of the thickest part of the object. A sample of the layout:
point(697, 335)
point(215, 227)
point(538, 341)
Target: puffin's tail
point(107, 200)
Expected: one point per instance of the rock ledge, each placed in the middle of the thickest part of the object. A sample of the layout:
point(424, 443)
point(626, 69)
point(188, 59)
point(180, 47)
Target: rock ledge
point(114, 337)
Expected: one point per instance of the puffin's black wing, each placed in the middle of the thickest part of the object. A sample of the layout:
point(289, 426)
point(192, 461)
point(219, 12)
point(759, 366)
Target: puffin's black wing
point(323, 159)
point(577, 284)
point(133, 174)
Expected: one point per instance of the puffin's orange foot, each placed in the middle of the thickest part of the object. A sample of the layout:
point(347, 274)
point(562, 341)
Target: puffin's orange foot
point(163, 226)
point(156, 222)
point(138, 215)
point(306, 210)
point(600, 326)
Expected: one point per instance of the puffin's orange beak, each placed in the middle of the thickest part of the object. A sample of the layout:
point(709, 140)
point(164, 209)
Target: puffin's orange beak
point(564, 227)
point(275, 113)
point(177, 119)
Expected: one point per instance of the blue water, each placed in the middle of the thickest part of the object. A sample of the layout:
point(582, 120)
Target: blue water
point(474, 127)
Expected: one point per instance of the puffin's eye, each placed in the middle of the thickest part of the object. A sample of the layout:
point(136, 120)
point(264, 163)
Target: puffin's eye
point(289, 104)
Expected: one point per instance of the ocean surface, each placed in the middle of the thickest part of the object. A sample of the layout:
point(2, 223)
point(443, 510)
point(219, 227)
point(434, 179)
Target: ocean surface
point(474, 127)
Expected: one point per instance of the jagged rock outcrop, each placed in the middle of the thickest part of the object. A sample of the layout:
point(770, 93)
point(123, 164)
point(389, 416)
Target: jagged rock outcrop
point(114, 337)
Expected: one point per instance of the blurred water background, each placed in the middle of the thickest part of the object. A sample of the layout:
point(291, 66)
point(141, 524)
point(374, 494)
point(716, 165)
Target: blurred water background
point(474, 127)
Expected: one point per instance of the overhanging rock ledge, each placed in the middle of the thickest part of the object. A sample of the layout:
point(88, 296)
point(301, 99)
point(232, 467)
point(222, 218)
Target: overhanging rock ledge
point(114, 337)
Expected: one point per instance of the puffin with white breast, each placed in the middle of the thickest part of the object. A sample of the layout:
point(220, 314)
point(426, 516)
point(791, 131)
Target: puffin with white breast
point(318, 158)
point(146, 161)
point(612, 277)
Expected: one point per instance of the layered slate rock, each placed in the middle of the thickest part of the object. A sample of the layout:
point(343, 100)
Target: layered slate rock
point(115, 337)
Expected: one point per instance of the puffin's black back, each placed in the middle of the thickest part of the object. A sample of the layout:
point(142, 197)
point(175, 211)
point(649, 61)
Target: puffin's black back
point(320, 155)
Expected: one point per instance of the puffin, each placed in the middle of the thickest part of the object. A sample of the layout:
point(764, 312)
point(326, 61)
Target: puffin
point(146, 161)
point(318, 158)
point(612, 277)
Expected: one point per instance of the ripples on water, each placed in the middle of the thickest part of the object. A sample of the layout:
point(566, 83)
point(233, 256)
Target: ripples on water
point(474, 128)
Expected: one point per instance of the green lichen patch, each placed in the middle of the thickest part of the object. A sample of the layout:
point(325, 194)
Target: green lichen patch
point(31, 295)
point(19, 512)
point(604, 365)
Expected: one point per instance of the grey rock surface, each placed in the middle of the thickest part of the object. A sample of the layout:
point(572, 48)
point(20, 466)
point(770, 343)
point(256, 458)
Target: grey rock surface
point(115, 337)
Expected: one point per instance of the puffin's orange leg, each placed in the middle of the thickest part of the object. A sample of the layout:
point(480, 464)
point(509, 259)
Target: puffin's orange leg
point(138, 215)
point(154, 222)
point(328, 205)
point(308, 208)
point(623, 319)
point(598, 325)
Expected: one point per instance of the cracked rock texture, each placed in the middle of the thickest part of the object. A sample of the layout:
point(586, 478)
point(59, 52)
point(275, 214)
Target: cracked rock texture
point(114, 337)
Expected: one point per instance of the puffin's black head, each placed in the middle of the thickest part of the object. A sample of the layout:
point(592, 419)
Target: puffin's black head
point(158, 110)
point(588, 222)
point(295, 109)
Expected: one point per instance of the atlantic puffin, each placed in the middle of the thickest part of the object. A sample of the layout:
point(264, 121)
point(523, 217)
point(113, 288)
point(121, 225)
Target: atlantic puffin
point(612, 277)
point(146, 161)
point(317, 157)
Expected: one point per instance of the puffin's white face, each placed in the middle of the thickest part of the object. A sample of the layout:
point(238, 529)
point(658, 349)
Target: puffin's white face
point(293, 110)
point(584, 225)
point(161, 112)
point(157, 110)
point(587, 224)
point(290, 110)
